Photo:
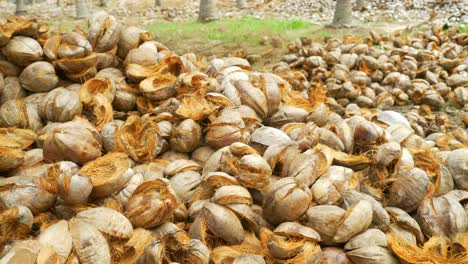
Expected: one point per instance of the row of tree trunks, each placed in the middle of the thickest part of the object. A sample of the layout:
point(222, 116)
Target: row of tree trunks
point(208, 11)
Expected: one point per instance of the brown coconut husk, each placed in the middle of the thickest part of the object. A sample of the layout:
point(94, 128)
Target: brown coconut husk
point(134, 247)
point(139, 137)
point(429, 162)
point(170, 64)
point(17, 138)
point(227, 254)
point(10, 226)
point(97, 94)
point(438, 250)
point(193, 107)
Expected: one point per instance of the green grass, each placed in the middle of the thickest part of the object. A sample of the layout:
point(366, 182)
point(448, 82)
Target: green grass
point(244, 30)
point(463, 29)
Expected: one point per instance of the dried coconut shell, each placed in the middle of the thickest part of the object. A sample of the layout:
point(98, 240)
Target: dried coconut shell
point(76, 141)
point(17, 138)
point(158, 211)
point(60, 105)
point(108, 174)
point(16, 224)
point(12, 90)
point(89, 244)
point(104, 31)
point(108, 221)
point(23, 51)
point(34, 198)
point(39, 77)
point(130, 38)
point(159, 87)
point(58, 237)
point(140, 138)
point(18, 113)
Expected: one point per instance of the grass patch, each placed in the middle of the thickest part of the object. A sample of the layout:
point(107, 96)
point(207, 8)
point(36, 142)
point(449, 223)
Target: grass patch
point(244, 30)
point(463, 29)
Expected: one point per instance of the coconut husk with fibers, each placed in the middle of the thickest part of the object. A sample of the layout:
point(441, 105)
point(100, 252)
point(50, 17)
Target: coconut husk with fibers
point(170, 64)
point(97, 95)
point(438, 250)
point(139, 137)
point(12, 227)
point(10, 158)
point(108, 173)
point(17, 138)
point(159, 86)
point(193, 107)
point(227, 254)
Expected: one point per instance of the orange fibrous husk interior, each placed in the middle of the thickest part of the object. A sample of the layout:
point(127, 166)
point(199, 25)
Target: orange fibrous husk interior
point(10, 227)
point(103, 112)
point(22, 110)
point(439, 250)
point(129, 252)
point(193, 83)
point(159, 81)
point(155, 186)
point(139, 137)
point(428, 161)
point(93, 87)
point(177, 248)
point(193, 107)
point(49, 182)
point(170, 64)
point(106, 168)
point(16, 137)
point(295, 98)
point(250, 245)
point(317, 94)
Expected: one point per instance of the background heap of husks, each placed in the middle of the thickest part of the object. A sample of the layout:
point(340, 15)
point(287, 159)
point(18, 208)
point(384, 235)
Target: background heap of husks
point(115, 149)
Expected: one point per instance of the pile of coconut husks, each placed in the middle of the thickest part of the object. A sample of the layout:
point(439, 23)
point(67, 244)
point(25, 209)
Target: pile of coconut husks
point(113, 149)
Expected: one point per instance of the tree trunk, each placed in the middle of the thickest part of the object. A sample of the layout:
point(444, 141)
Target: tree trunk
point(20, 8)
point(58, 3)
point(241, 4)
point(360, 5)
point(81, 9)
point(343, 13)
point(208, 10)
point(102, 3)
point(158, 3)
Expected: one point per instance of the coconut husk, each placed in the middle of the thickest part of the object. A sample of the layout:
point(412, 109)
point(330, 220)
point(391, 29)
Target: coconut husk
point(130, 251)
point(83, 76)
point(159, 87)
point(77, 65)
point(250, 245)
point(11, 226)
point(437, 250)
point(104, 32)
point(17, 138)
point(139, 137)
point(97, 94)
point(10, 158)
point(170, 64)
point(193, 107)
point(108, 173)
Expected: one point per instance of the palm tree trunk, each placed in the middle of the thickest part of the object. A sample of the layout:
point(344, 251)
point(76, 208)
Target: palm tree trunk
point(241, 4)
point(20, 8)
point(343, 14)
point(208, 10)
point(81, 9)
point(158, 3)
